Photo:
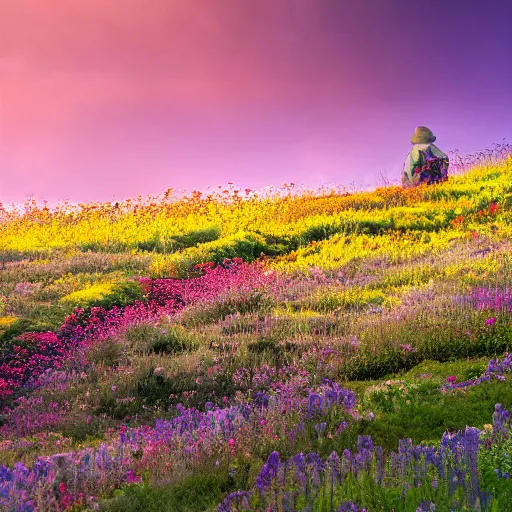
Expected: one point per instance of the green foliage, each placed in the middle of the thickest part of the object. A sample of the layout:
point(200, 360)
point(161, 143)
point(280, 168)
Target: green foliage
point(198, 493)
point(368, 364)
point(349, 299)
point(161, 244)
point(106, 353)
point(495, 467)
point(199, 236)
point(122, 294)
point(148, 338)
point(435, 343)
point(160, 390)
point(105, 295)
point(428, 413)
point(84, 429)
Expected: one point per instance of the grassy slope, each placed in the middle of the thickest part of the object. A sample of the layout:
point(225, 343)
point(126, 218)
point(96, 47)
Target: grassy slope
point(389, 268)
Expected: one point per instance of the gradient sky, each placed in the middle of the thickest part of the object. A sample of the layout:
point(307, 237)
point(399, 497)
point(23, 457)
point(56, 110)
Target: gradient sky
point(107, 99)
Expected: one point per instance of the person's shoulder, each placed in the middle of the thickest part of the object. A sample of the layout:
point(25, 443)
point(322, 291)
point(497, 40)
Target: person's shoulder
point(418, 149)
point(437, 151)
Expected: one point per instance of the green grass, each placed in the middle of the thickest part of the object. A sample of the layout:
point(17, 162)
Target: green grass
point(200, 493)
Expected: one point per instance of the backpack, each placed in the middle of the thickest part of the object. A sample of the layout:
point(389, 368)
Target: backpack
point(430, 168)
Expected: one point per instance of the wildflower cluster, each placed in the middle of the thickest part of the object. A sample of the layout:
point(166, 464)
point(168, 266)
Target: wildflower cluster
point(496, 369)
point(306, 480)
point(167, 448)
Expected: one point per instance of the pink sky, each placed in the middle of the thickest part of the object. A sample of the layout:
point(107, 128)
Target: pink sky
point(103, 99)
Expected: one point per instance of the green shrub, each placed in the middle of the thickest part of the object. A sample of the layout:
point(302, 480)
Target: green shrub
point(148, 338)
point(367, 365)
point(199, 236)
point(107, 353)
point(198, 493)
point(105, 295)
point(122, 294)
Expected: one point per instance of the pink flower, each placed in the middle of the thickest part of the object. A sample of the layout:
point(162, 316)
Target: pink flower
point(231, 442)
point(451, 379)
point(490, 321)
point(407, 348)
point(132, 478)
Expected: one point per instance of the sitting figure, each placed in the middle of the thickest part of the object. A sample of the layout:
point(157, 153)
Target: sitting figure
point(425, 163)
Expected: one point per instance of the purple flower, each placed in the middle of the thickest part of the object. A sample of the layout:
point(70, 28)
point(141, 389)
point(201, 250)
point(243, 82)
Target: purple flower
point(426, 506)
point(349, 506)
point(300, 468)
point(364, 443)
point(314, 405)
point(500, 417)
point(235, 499)
point(342, 426)
point(268, 473)
point(320, 428)
point(334, 466)
point(314, 462)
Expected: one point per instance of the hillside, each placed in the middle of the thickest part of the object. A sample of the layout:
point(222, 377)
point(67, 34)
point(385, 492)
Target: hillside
point(299, 350)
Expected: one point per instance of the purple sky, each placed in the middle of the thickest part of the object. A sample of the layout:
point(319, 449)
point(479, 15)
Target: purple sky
point(102, 99)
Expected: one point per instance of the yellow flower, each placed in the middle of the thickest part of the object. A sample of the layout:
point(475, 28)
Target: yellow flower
point(5, 321)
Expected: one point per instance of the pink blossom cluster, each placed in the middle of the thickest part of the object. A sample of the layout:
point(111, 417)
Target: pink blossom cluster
point(28, 356)
point(234, 275)
point(31, 354)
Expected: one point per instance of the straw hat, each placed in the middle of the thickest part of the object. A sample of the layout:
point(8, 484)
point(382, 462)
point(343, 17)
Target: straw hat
point(422, 135)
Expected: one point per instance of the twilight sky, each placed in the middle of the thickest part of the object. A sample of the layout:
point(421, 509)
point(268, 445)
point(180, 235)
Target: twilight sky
point(107, 99)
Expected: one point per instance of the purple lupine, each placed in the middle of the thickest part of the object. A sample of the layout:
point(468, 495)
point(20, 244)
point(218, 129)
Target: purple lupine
point(261, 399)
point(314, 406)
point(471, 443)
point(363, 457)
point(500, 418)
point(426, 506)
point(485, 499)
point(333, 465)
point(347, 461)
point(364, 443)
point(315, 464)
point(268, 473)
point(336, 395)
point(235, 499)
point(300, 468)
point(349, 506)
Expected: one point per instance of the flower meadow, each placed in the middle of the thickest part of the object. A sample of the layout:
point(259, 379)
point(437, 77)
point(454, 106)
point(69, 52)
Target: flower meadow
point(276, 351)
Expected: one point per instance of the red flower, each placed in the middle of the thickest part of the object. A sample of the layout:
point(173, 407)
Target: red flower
point(493, 208)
